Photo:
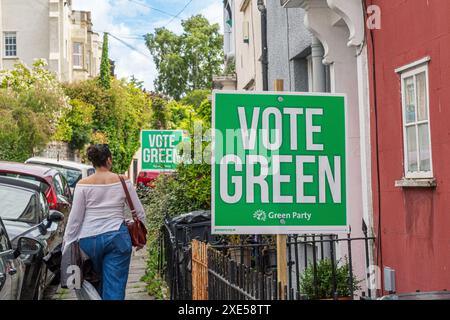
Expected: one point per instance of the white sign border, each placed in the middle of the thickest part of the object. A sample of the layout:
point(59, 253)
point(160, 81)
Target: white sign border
point(142, 149)
point(275, 229)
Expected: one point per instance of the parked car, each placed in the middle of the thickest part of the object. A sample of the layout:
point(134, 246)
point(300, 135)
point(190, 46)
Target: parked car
point(25, 213)
point(147, 178)
point(12, 268)
point(52, 183)
point(72, 171)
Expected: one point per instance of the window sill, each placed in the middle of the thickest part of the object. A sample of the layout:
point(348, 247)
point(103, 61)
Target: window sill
point(10, 57)
point(416, 183)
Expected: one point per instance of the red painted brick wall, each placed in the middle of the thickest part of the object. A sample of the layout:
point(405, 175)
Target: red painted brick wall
point(415, 223)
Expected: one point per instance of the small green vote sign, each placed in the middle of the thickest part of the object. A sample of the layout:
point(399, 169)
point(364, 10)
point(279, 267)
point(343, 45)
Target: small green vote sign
point(159, 149)
point(279, 163)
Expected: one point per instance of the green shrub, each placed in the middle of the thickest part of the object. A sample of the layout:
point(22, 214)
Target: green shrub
point(75, 125)
point(31, 104)
point(325, 280)
point(156, 287)
point(186, 190)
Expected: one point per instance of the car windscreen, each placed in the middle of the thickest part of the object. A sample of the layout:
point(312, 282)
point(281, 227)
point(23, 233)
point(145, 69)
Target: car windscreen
point(42, 185)
point(72, 175)
point(18, 204)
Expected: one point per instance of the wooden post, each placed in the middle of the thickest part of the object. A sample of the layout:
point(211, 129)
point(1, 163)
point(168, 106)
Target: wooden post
point(281, 239)
point(279, 85)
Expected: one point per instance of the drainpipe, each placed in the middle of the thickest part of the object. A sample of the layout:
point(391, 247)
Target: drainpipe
point(264, 58)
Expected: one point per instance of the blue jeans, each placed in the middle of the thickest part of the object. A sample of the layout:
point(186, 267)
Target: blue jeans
point(110, 253)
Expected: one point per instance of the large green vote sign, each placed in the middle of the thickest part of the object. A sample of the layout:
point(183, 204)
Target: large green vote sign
point(279, 163)
point(159, 149)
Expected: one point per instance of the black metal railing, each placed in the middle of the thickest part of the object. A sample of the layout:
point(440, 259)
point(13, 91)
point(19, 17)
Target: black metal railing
point(175, 252)
point(246, 269)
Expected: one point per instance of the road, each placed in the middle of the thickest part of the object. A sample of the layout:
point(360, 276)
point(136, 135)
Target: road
point(135, 287)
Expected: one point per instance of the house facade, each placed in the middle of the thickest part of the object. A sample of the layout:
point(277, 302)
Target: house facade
point(242, 46)
point(410, 92)
point(50, 30)
point(317, 46)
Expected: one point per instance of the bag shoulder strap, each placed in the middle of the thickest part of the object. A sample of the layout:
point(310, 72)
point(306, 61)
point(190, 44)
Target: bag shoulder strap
point(128, 197)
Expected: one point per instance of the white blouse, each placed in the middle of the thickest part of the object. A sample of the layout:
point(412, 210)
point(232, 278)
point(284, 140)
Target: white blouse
point(97, 209)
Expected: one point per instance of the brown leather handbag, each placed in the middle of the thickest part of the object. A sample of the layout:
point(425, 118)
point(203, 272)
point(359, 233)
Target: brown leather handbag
point(137, 229)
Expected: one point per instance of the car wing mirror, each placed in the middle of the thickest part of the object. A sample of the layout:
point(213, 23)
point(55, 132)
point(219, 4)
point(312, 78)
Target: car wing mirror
point(54, 216)
point(27, 246)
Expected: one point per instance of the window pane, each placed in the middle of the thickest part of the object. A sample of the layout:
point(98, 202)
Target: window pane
point(411, 149)
point(410, 100)
point(10, 44)
point(77, 47)
point(422, 108)
point(76, 61)
point(424, 148)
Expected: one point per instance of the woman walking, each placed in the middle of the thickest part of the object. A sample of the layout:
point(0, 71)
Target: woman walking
point(97, 221)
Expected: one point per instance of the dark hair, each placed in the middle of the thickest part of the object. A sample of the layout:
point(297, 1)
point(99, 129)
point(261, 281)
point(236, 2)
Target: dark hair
point(98, 154)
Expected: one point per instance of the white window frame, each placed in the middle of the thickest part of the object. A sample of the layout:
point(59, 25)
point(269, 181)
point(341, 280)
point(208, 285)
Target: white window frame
point(413, 70)
point(80, 55)
point(5, 34)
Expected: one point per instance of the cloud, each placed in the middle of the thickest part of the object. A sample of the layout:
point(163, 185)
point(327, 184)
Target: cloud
point(107, 16)
point(214, 13)
point(126, 20)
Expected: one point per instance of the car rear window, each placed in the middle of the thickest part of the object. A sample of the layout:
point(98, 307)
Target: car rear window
point(72, 175)
point(18, 204)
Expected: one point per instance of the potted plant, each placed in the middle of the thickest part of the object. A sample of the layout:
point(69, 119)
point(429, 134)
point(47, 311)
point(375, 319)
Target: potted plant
point(325, 281)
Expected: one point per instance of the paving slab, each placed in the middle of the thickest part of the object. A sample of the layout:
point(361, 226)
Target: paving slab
point(136, 288)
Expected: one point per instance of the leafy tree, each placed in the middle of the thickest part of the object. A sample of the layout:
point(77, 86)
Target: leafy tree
point(119, 115)
point(195, 98)
point(204, 113)
point(75, 126)
point(22, 130)
point(31, 104)
point(160, 114)
point(137, 83)
point(188, 61)
point(105, 66)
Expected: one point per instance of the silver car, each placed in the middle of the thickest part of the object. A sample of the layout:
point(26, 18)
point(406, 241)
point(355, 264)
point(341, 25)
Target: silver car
point(72, 171)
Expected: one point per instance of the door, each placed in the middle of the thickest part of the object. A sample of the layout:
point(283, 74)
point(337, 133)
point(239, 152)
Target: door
point(63, 194)
point(6, 268)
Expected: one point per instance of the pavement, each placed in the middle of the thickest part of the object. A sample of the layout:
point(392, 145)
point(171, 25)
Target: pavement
point(135, 287)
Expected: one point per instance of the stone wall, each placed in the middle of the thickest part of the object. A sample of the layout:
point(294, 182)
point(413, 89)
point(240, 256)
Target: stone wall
point(61, 151)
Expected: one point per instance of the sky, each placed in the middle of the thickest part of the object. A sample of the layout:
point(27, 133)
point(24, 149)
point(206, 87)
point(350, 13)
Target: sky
point(130, 19)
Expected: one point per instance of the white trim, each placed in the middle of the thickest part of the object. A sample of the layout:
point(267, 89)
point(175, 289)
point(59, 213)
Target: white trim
point(275, 229)
point(416, 183)
point(78, 55)
point(420, 68)
point(413, 64)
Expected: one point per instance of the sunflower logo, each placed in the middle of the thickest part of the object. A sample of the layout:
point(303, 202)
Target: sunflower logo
point(260, 215)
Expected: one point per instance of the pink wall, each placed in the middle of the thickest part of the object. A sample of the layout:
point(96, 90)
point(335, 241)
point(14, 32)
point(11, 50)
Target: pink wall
point(415, 227)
